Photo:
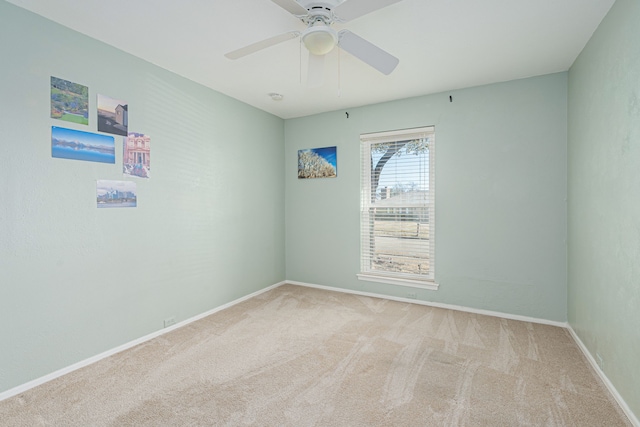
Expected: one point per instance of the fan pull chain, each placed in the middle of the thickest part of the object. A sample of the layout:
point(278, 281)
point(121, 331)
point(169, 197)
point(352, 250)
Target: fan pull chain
point(300, 57)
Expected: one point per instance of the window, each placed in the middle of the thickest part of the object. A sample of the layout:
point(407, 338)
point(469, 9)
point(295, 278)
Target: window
point(397, 207)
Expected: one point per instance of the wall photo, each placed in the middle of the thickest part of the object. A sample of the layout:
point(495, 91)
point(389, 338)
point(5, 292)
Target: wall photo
point(78, 145)
point(136, 159)
point(317, 163)
point(113, 115)
point(116, 194)
point(69, 101)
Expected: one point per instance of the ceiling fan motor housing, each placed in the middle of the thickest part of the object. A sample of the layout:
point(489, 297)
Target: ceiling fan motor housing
point(319, 38)
point(327, 5)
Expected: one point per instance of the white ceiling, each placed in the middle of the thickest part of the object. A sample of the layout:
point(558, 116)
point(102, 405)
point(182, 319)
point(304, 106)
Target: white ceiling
point(442, 45)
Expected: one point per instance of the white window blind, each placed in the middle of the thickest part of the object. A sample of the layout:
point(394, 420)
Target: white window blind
point(397, 207)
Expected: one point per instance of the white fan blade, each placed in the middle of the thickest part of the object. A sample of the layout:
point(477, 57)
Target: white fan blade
point(367, 52)
point(352, 9)
point(291, 6)
point(315, 70)
point(262, 45)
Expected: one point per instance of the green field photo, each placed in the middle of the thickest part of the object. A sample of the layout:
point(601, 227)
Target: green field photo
point(69, 101)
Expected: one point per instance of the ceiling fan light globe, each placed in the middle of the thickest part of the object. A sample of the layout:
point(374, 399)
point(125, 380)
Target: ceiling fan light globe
point(319, 40)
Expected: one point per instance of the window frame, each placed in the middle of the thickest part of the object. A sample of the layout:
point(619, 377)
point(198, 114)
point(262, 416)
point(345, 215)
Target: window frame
point(423, 281)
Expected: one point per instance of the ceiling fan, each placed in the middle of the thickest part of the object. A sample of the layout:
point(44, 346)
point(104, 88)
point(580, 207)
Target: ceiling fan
point(319, 38)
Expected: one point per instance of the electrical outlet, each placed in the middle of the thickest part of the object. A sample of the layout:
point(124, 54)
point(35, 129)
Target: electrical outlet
point(599, 361)
point(169, 321)
point(412, 295)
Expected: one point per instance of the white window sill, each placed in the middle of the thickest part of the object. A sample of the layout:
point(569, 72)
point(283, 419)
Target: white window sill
point(422, 284)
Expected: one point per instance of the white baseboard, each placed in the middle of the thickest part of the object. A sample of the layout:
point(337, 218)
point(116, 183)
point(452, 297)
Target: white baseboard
point(39, 381)
point(623, 405)
point(436, 304)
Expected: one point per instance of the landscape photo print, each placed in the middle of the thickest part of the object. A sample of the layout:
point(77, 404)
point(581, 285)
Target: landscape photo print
point(69, 101)
point(318, 163)
point(78, 145)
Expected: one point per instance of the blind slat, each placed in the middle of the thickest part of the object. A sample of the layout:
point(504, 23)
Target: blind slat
point(397, 203)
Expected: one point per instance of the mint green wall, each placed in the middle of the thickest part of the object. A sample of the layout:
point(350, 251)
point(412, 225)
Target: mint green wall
point(604, 197)
point(500, 196)
point(76, 281)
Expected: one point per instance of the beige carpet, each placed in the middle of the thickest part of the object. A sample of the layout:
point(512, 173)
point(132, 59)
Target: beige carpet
point(297, 356)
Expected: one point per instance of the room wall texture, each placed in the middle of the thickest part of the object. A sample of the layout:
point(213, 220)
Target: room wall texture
point(603, 189)
point(500, 196)
point(76, 281)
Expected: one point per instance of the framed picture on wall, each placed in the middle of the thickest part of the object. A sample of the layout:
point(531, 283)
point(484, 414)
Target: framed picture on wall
point(136, 156)
point(113, 115)
point(79, 145)
point(69, 101)
point(318, 163)
point(116, 194)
